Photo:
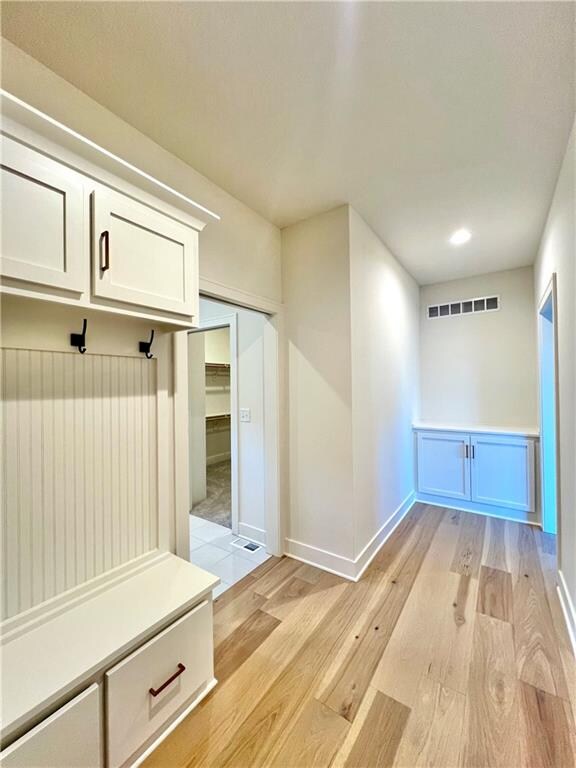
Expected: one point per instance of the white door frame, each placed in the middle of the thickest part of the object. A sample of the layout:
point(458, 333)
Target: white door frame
point(273, 377)
point(231, 322)
point(550, 293)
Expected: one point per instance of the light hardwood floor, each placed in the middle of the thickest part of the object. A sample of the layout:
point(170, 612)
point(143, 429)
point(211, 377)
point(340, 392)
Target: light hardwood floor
point(450, 651)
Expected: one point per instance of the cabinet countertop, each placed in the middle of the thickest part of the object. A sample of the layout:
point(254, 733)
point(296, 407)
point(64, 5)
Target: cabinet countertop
point(476, 429)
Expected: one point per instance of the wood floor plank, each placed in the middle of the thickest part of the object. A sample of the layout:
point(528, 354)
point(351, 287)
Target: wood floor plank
point(387, 718)
point(276, 577)
point(494, 555)
point(433, 733)
point(451, 691)
point(495, 593)
point(537, 655)
point(201, 737)
point(309, 573)
point(263, 731)
point(241, 643)
point(349, 685)
point(470, 548)
point(313, 740)
point(410, 652)
point(548, 732)
point(287, 597)
point(234, 613)
point(492, 724)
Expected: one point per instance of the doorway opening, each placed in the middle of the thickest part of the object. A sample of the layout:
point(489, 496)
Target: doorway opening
point(211, 429)
point(233, 440)
point(549, 424)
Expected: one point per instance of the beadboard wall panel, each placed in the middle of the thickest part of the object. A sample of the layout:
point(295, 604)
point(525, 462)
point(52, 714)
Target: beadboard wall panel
point(80, 470)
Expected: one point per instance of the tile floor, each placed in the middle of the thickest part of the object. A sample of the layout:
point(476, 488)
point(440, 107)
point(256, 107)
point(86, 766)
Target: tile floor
point(211, 548)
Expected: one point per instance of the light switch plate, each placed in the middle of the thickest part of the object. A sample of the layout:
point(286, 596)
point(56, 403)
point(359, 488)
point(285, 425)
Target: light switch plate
point(245, 414)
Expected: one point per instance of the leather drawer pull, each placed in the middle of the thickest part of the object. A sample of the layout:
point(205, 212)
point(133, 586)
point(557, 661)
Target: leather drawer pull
point(156, 691)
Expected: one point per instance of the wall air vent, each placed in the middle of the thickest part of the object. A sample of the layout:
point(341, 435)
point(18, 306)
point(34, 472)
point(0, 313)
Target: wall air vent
point(464, 307)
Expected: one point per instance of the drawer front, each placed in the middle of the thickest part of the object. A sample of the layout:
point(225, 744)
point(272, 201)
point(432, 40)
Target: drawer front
point(141, 256)
point(134, 715)
point(44, 238)
point(70, 738)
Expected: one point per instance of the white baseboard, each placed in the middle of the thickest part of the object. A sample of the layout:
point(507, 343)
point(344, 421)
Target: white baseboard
point(321, 558)
point(251, 532)
point(567, 609)
point(348, 568)
point(217, 458)
point(367, 555)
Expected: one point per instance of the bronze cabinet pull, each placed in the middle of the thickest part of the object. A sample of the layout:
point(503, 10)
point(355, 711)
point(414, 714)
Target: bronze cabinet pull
point(156, 691)
point(105, 239)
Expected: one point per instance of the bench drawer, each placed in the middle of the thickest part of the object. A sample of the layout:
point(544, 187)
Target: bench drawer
point(152, 685)
point(69, 738)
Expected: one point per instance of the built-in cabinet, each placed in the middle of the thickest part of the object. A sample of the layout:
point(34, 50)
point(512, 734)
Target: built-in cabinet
point(43, 227)
point(70, 238)
point(142, 257)
point(486, 472)
point(140, 651)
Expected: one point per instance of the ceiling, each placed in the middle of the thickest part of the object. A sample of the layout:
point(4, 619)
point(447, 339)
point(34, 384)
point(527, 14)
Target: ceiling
point(426, 117)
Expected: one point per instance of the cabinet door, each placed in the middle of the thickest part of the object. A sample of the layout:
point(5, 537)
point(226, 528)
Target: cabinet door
point(43, 235)
point(503, 471)
point(443, 464)
point(141, 256)
point(70, 738)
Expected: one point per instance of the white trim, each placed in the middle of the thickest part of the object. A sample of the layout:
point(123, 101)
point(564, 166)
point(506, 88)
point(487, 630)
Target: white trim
point(167, 731)
point(22, 105)
point(212, 289)
point(345, 566)
point(567, 609)
point(366, 556)
point(253, 533)
point(321, 558)
point(550, 292)
point(181, 445)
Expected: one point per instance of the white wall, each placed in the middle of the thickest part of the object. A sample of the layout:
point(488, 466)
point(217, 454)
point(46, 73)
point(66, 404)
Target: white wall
point(241, 251)
point(385, 331)
point(352, 359)
point(316, 283)
point(557, 254)
point(481, 369)
point(217, 345)
point(196, 418)
point(250, 372)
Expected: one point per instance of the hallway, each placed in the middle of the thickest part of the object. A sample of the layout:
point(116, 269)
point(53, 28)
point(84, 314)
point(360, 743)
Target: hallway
point(450, 651)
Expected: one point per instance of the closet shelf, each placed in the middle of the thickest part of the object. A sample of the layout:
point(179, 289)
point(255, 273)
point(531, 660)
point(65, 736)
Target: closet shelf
point(217, 416)
point(218, 366)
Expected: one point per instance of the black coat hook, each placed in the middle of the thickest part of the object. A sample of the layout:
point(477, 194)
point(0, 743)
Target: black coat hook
point(79, 339)
point(145, 346)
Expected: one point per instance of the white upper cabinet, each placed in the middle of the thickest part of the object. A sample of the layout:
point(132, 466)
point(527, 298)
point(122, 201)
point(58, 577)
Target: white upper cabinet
point(42, 220)
point(443, 459)
point(140, 256)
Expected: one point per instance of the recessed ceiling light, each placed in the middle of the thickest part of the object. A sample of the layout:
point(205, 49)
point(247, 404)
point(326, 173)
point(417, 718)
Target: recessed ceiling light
point(460, 237)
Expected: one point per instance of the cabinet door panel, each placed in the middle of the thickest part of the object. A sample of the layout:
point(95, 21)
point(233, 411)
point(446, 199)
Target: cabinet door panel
point(503, 471)
point(43, 237)
point(443, 466)
point(70, 738)
point(145, 258)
